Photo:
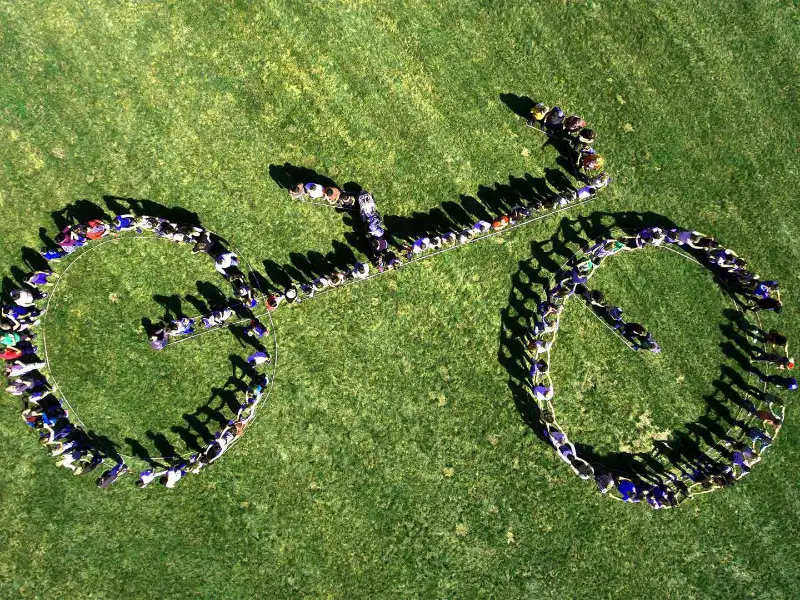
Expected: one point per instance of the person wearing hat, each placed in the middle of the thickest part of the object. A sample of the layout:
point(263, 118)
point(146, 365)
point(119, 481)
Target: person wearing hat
point(273, 301)
point(586, 137)
point(256, 329)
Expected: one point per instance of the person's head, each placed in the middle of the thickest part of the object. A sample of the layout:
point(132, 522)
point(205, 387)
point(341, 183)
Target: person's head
point(574, 123)
point(587, 136)
point(539, 110)
point(585, 470)
point(601, 181)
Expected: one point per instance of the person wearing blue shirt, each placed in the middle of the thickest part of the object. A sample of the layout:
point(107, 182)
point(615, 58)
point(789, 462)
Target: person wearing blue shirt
point(629, 491)
point(259, 358)
point(256, 329)
point(110, 476)
point(124, 222)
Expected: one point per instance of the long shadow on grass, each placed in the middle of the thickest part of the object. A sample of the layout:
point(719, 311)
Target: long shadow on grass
point(690, 452)
point(489, 203)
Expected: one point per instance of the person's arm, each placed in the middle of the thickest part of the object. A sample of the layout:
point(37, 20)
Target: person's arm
point(51, 432)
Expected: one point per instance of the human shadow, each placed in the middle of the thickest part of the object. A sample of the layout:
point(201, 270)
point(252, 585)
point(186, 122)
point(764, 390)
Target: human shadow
point(216, 412)
point(212, 294)
point(490, 202)
point(98, 440)
point(287, 175)
point(519, 105)
point(172, 305)
point(8, 284)
point(165, 448)
point(245, 340)
point(198, 304)
point(142, 207)
point(81, 211)
point(222, 405)
point(137, 450)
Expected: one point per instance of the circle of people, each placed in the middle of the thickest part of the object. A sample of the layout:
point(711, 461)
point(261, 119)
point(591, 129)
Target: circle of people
point(752, 436)
point(74, 448)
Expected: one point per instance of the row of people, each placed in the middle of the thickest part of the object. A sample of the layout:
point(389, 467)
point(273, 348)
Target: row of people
point(329, 193)
point(385, 258)
point(214, 449)
point(637, 337)
point(590, 164)
point(42, 411)
point(73, 237)
point(388, 255)
point(299, 292)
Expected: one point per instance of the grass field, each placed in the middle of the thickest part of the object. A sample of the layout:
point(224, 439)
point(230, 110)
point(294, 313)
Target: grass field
point(391, 460)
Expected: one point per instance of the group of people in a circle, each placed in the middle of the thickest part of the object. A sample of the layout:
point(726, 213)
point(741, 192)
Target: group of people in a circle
point(74, 447)
point(748, 437)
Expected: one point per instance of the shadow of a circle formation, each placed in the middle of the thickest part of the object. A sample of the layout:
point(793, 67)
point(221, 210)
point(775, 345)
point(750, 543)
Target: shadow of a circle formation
point(741, 420)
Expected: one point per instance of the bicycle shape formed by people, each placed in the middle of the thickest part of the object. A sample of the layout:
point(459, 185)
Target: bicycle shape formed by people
point(46, 409)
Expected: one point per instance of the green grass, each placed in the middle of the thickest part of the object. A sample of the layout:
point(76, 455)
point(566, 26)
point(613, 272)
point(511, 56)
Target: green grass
point(390, 460)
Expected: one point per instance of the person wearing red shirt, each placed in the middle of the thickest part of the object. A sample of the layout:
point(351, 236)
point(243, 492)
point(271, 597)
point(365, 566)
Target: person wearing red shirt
point(11, 354)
